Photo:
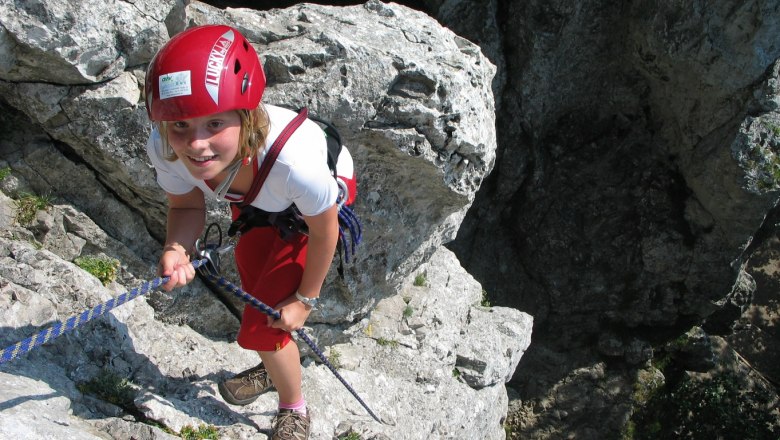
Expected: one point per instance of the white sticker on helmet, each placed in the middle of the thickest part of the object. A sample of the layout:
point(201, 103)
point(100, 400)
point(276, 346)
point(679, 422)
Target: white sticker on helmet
point(175, 84)
point(216, 63)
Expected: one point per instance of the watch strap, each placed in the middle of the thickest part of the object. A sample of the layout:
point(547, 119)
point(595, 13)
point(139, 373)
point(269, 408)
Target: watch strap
point(310, 302)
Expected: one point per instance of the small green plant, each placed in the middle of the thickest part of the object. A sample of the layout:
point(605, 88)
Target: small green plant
point(455, 373)
point(208, 432)
point(334, 356)
point(774, 128)
point(103, 268)
point(420, 280)
point(646, 385)
point(408, 311)
point(629, 431)
point(485, 302)
point(392, 343)
point(351, 435)
point(28, 206)
point(5, 172)
point(110, 387)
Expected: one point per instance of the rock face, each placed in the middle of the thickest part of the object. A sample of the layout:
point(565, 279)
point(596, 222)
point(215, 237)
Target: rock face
point(632, 198)
point(413, 103)
point(636, 176)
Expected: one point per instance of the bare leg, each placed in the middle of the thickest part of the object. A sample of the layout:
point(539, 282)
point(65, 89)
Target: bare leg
point(284, 368)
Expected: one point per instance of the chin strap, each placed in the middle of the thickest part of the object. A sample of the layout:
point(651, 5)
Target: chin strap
point(222, 189)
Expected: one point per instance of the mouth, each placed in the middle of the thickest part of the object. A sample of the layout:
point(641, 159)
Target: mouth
point(202, 160)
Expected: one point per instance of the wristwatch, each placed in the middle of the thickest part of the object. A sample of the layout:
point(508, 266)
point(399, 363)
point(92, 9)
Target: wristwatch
point(308, 302)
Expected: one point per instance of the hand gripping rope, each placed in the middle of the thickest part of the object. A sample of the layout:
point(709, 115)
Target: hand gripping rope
point(42, 337)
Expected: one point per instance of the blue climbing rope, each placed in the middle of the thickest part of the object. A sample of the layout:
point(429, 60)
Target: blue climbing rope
point(42, 337)
point(349, 220)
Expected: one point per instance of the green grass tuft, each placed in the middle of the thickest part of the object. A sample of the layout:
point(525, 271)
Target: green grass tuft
point(103, 268)
point(334, 356)
point(110, 387)
point(387, 342)
point(28, 206)
point(208, 432)
point(485, 302)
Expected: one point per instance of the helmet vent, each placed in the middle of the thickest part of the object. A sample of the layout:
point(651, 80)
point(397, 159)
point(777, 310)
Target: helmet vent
point(245, 83)
point(237, 67)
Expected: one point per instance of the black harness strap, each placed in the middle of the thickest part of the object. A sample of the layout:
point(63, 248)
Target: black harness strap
point(333, 140)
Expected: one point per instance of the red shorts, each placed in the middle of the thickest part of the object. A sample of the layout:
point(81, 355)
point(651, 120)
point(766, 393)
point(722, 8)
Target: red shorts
point(270, 270)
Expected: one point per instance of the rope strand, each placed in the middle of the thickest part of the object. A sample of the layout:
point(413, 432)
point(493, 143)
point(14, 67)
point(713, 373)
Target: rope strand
point(42, 337)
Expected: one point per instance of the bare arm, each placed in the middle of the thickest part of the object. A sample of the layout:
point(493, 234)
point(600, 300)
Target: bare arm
point(186, 219)
point(323, 236)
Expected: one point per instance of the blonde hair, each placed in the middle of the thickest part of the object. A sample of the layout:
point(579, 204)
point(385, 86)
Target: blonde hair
point(254, 131)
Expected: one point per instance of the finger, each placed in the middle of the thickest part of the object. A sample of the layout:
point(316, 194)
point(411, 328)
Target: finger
point(277, 322)
point(188, 274)
point(168, 286)
point(178, 278)
point(274, 322)
point(183, 276)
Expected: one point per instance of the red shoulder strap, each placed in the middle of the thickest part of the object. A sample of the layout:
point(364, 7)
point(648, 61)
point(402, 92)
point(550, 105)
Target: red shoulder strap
point(271, 156)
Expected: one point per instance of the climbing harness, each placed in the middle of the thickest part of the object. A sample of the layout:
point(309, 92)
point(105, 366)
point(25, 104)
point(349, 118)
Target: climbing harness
point(289, 222)
point(42, 337)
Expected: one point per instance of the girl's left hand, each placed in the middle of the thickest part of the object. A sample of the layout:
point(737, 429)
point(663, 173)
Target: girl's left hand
point(293, 315)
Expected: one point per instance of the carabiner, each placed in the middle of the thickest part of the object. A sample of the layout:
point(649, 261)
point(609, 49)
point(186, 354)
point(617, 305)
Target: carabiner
point(343, 196)
point(211, 252)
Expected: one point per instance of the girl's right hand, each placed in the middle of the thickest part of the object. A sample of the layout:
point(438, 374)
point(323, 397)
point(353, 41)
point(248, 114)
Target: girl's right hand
point(175, 263)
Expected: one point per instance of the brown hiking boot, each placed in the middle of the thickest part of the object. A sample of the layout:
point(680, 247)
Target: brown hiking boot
point(245, 387)
point(291, 425)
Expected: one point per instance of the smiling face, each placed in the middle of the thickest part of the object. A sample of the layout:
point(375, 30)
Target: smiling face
point(206, 145)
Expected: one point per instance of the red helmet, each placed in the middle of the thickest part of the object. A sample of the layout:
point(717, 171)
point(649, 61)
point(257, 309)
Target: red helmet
point(203, 70)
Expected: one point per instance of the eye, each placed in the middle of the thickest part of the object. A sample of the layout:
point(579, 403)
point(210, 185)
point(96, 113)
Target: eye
point(179, 124)
point(216, 124)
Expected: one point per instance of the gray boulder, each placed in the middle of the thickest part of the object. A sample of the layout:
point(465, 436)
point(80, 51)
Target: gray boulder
point(414, 105)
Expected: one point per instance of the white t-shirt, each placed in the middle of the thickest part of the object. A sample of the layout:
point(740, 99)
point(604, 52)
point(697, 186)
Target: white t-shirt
point(300, 174)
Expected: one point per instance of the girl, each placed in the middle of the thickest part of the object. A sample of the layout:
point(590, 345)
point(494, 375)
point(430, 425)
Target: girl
point(203, 92)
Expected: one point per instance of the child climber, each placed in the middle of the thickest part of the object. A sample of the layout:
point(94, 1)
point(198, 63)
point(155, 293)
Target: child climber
point(203, 92)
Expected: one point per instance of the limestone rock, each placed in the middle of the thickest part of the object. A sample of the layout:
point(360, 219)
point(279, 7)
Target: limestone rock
point(414, 104)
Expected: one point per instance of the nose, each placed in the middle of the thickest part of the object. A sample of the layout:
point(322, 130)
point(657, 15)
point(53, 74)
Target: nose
point(199, 138)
